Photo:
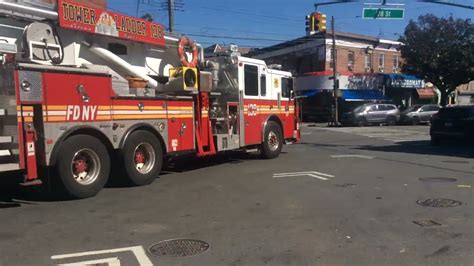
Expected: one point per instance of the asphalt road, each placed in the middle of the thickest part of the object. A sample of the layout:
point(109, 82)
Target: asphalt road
point(344, 196)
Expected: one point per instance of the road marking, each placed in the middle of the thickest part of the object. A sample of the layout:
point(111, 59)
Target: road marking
point(305, 133)
point(138, 251)
point(397, 135)
point(353, 156)
point(318, 175)
point(108, 262)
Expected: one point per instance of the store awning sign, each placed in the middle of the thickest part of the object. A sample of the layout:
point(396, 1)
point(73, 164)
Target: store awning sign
point(406, 83)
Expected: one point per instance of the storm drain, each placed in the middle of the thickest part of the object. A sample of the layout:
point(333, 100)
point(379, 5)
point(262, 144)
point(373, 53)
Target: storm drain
point(438, 179)
point(439, 203)
point(426, 223)
point(179, 248)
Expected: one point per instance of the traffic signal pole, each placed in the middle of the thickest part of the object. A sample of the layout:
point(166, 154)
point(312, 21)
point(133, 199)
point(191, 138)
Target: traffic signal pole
point(334, 74)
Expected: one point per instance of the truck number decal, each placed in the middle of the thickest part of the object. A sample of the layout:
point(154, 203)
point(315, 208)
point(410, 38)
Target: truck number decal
point(252, 110)
point(81, 113)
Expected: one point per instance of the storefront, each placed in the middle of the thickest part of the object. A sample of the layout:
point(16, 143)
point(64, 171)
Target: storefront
point(407, 90)
point(317, 99)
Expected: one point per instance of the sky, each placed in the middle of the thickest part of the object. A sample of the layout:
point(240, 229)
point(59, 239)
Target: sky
point(262, 23)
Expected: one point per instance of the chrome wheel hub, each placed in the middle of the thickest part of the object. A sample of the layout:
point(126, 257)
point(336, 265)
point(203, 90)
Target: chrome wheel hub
point(85, 166)
point(144, 158)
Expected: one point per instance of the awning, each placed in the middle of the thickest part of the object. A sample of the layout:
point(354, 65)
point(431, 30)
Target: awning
point(426, 93)
point(307, 93)
point(362, 95)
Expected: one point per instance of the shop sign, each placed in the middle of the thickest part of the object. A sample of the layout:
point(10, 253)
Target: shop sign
point(406, 83)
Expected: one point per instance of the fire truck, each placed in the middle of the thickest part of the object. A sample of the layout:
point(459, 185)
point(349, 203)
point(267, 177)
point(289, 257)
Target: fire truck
point(84, 90)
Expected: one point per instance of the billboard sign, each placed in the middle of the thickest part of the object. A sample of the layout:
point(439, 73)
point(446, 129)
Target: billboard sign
point(75, 16)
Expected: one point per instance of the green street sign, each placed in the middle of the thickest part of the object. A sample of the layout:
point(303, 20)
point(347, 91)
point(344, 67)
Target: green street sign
point(383, 13)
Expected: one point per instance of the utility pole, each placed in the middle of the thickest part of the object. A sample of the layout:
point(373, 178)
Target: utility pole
point(334, 73)
point(138, 7)
point(171, 15)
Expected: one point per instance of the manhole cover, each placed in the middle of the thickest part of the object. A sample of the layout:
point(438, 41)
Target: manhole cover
point(438, 179)
point(426, 223)
point(179, 248)
point(439, 203)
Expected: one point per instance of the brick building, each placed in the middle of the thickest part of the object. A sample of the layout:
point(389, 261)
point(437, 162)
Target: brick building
point(355, 53)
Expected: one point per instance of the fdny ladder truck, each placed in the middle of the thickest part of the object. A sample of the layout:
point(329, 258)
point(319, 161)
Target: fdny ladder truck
point(83, 89)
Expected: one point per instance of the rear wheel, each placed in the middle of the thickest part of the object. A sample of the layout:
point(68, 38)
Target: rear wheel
point(361, 122)
point(273, 141)
point(391, 121)
point(415, 121)
point(143, 158)
point(83, 166)
point(435, 141)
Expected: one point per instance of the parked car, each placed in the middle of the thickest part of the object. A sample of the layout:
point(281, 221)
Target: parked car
point(453, 123)
point(418, 114)
point(372, 114)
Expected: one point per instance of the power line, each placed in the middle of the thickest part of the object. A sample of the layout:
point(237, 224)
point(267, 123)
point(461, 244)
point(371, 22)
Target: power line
point(248, 13)
point(234, 37)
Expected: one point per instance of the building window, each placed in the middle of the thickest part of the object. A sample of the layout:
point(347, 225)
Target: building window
point(395, 63)
point(331, 60)
point(350, 60)
point(381, 62)
point(368, 62)
point(251, 80)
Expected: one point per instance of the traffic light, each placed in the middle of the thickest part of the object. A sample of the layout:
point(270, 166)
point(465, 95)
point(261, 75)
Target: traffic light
point(310, 23)
point(320, 22)
point(315, 22)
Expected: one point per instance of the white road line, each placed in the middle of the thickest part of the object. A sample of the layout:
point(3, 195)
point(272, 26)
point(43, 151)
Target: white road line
point(138, 251)
point(107, 261)
point(353, 156)
point(311, 175)
point(303, 173)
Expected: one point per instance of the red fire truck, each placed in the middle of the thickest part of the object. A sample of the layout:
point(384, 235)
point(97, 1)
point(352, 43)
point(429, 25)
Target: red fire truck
point(83, 89)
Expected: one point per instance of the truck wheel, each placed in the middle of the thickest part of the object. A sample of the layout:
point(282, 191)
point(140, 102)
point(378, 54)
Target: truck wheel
point(273, 141)
point(143, 158)
point(83, 166)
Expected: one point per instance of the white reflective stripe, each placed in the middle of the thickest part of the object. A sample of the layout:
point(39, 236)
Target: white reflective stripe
point(124, 112)
point(56, 112)
point(25, 113)
point(104, 112)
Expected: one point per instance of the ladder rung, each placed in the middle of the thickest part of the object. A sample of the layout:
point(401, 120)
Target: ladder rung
point(5, 153)
point(9, 167)
point(6, 139)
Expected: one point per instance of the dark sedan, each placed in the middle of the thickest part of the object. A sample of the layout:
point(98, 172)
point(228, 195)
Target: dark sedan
point(453, 123)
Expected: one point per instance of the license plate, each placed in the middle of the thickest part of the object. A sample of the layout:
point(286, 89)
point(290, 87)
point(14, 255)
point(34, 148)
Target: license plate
point(448, 124)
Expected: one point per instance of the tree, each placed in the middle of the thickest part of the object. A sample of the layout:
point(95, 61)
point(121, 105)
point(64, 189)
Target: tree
point(147, 17)
point(441, 50)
